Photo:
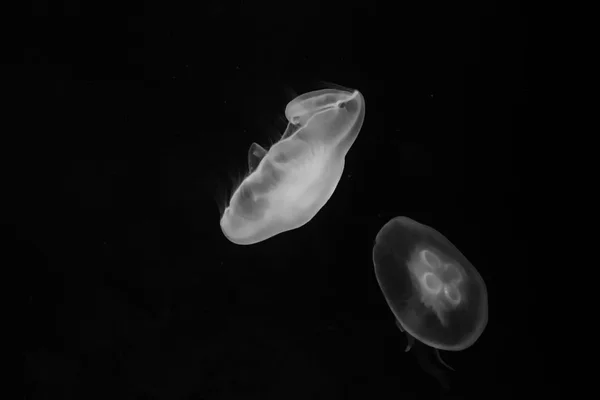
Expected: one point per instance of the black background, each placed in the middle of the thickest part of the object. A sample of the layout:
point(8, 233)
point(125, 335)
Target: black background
point(139, 117)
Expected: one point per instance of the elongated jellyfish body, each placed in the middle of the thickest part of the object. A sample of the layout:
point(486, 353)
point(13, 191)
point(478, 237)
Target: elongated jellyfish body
point(288, 184)
point(434, 292)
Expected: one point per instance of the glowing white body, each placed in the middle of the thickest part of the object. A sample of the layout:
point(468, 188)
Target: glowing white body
point(298, 174)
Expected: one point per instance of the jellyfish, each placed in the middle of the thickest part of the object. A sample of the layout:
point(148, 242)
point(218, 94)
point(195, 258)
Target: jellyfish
point(435, 294)
point(288, 184)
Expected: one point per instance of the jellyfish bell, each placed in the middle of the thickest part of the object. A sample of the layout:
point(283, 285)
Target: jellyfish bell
point(295, 178)
point(429, 285)
point(436, 295)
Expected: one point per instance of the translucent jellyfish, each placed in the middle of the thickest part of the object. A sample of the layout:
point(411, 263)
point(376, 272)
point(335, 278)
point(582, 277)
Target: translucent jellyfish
point(435, 293)
point(287, 185)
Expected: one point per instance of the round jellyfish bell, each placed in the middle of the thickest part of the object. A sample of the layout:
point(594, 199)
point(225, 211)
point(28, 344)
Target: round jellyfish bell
point(288, 184)
point(434, 292)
